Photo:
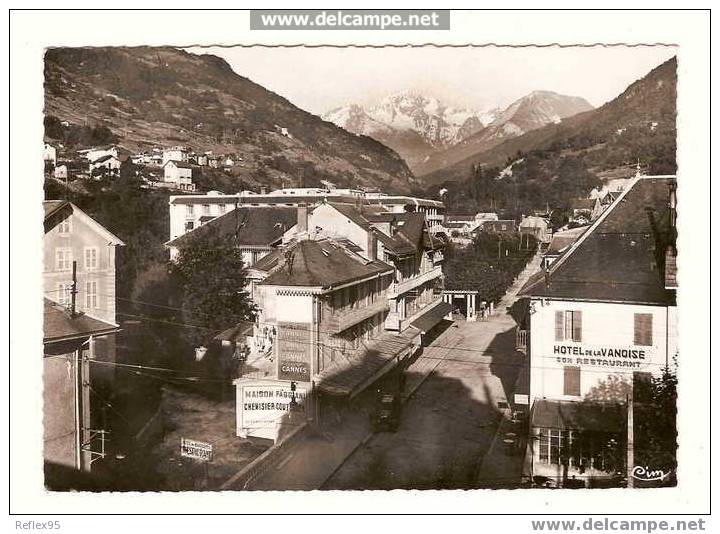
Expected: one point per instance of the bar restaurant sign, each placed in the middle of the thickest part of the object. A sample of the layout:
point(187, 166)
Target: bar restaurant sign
point(189, 448)
point(618, 357)
point(294, 350)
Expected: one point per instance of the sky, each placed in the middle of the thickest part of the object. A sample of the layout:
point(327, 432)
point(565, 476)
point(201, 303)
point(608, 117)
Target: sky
point(320, 79)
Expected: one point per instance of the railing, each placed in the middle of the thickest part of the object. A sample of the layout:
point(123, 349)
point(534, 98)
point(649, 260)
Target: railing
point(521, 340)
point(398, 288)
point(342, 320)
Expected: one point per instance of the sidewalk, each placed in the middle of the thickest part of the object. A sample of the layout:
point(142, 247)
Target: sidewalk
point(314, 459)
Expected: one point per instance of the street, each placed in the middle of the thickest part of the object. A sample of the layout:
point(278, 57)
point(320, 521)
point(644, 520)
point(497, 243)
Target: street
point(449, 423)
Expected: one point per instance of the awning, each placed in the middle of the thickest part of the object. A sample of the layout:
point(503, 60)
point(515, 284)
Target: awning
point(578, 415)
point(352, 374)
point(429, 319)
point(236, 333)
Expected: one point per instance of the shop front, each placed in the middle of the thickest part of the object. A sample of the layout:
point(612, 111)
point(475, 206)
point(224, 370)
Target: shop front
point(576, 444)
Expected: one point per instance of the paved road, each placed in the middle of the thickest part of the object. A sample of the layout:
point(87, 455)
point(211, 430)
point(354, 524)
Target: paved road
point(449, 423)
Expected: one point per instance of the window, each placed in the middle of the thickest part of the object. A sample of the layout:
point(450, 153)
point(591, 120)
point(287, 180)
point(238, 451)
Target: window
point(571, 382)
point(190, 210)
point(643, 329)
point(221, 208)
point(206, 209)
point(64, 226)
point(64, 295)
point(568, 325)
point(91, 295)
point(63, 259)
point(189, 225)
point(91, 258)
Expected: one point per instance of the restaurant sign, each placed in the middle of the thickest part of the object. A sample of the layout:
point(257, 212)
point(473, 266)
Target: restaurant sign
point(198, 450)
point(628, 358)
point(294, 350)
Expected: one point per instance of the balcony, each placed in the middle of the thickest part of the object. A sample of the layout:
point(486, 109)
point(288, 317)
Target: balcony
point(398, 288)
point(342, 320)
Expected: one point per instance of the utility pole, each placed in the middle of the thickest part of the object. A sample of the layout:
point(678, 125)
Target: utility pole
point(630, 442)
point(77, 389)
point(74, 289)
point(77, 378)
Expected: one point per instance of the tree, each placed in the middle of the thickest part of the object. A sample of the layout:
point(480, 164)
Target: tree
point(655, 423)
point(210, 278)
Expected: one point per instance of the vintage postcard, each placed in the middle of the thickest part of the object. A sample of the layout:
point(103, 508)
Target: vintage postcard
point(363, 265)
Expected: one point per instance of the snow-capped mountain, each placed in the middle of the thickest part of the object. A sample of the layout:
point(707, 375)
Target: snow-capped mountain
point(528, 113)
point(413, 124)
point(438, 124)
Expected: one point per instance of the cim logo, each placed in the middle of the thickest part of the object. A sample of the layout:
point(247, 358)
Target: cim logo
point(646, 474)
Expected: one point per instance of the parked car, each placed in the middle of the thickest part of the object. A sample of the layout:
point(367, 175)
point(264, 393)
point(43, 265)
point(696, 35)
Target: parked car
point(387, 412)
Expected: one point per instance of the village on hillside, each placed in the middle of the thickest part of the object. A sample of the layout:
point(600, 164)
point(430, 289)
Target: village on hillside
point(201, 333)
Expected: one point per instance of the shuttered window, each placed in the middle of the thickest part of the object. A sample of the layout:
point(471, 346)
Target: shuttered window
point(568, 325)
point(571, 385)
point(576, 325)
point(559, 326)
point(643, 329)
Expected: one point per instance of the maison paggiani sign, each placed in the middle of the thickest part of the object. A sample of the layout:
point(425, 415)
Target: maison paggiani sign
point(628, 358)
point(294, 350)
point(263, 408)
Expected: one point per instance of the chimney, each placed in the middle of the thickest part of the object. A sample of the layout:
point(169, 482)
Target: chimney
point(371, 245)
point(302, 219)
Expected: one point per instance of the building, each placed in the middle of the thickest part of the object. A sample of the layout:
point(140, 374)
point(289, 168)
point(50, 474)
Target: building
point(256, 231)
point(189, 208)
point(485, 216)
point(49, 153)
point(175, 153)
point(559, 244)
point(79, 323)
point(501, 226)
point(341, 304)
point(538, 227)
point(105, 164)
point(95, 153)
point(463, 225)
point(61, 172)
point(602, 202)
point(178, 173)
point(601, 318)
point(581, 210)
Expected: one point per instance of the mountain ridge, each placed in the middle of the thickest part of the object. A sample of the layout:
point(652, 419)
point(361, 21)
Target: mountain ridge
point(164, 96)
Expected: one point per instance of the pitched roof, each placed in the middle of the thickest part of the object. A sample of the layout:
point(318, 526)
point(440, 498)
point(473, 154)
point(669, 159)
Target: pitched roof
point(59, 325)
point(57, 210)
point(468, 218)
point(319, 264)
point(103, 159)
point(561, 240)
point(350, 374)
point(243, 226)
point(621, 256)
point(52, 206)
point(533, 221)
point(179, 164)
point(410, 231)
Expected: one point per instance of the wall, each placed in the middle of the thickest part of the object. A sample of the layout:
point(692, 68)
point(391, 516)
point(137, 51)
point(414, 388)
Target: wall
point(81, 235)
point(604, 326)
point(335, 224)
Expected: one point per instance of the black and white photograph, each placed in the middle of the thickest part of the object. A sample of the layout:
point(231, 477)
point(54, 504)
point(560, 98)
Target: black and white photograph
point(299, 267)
